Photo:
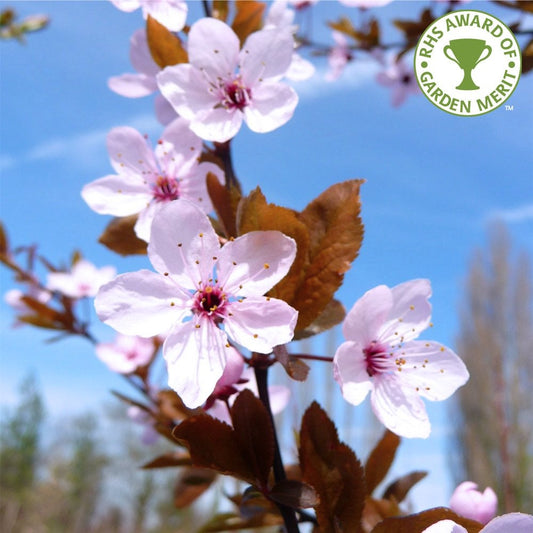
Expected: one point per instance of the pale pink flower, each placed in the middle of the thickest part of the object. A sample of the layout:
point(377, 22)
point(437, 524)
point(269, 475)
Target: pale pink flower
point(14, 298)
point(169, 13)
point(198, 287)
point(280, 17)
point(381, 357)
point(365, 4)
point(507, 523)
point(469, 502)
point(236, 378)
point(223, 85)
point(339, 56)
point(126, 353)
point(302, 4)
point(146, 180)
point(83, 280)
point(143, 82)
point(401, 80)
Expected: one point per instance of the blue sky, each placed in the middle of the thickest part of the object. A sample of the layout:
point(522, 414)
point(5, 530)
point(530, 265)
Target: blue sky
point(434, 181)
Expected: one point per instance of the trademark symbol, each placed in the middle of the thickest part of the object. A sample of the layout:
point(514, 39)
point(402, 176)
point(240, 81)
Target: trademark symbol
point(509, 107)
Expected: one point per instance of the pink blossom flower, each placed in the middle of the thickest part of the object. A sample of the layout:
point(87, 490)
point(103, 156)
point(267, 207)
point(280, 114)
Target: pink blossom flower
point(507, 523)
point(170, 13)
point(146, 180)
point(236, 378)
point(222, 85)
point(338, 57)
point(401, 80)
point(198, 287)
point(83, 280)
point(15, 298)
point(467, 501)
point(302, 4)
point(365, 4)
point(125, 354)
point(381, 357)
point(143, 82)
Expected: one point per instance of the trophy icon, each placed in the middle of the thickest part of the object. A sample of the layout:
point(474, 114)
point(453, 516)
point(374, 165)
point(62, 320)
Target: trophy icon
point(468, 53)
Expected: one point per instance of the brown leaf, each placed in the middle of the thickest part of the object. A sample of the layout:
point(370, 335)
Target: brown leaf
point(248, 18)
point(399, 488)
point(165, 47)
point(234, 522)
point(120, 237)
point(294, 494)
point(255, 214)
point(377, 510)
point(294, 367)
point(527, 57)
point(416, 523)
point(172, 406)
point(522, 5)
point(336, 234)
point(368, 36)
point(219, 9)
point(192, 483)
point(254, 434)
point(168, 460)
point(334, 471)
point(413, 29)
point(4, 243)
point(225, 202)
point(380, 460)
point(332, 315)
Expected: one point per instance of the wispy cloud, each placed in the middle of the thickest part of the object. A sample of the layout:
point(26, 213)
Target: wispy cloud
point(514, 215)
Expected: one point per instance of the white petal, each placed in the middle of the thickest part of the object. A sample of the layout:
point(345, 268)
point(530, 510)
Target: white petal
point(253, 263)
point(183, 244)
point(410, 312)
point(140, 55)
point(171, 13)
point(260, 323)
point(164, 112)
point(140, 303)
point(399, 407)
point(187, 90)
point(434, 370)
point(300, 69)
point(512, 522)
point(193, 187)
point(266, 54)
point(349, 370)
point(272, 106)
point(218, 124)
point(213, 48)
point(129, 152)
point(179, 148)
point(445, 526)
point(196, 357)
point(143, 225)
point(365, 318)
point(126, 5)
point(117, 195)
point(132, 85)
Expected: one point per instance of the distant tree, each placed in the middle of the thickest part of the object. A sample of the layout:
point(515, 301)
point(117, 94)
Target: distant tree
point(493, 415)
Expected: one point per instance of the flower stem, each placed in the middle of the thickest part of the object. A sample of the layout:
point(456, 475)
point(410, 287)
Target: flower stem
point(310, 357)
point(223, 150)
point(288, 514)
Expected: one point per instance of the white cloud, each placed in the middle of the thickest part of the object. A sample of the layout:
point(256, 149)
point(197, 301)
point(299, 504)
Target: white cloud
point(515, 215)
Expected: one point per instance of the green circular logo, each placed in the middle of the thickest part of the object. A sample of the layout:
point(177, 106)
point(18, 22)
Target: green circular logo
point(467, 63)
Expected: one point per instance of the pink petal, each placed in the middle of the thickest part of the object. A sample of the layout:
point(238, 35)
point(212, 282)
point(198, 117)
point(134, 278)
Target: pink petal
point(260, 323)
point(272, 105)
point(140, 303)
point(195, 358)
point(217, 125)
point(213, 48)
point(512, 522)
point(410, 313)
point(363, 322)
point(179, 148)
point(125, 354)
point(232, 371)
point(117, 195)
point(183, 244)
point(279, 398)
point(445, 526)
point(129, 152)
point(187, 89)
point(132, 85)
point(253, 263)
point(143, 225)
point(126, 5)
point(193, 187)
point(266, 54)
point(164, 112)
point(349, 370)
point(469, 502)
point(399, 407)
point(171, 13)
point(140, 56)
point(435, 371)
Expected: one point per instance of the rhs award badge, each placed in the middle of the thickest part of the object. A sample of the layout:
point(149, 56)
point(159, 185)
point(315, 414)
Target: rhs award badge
point(467, 63)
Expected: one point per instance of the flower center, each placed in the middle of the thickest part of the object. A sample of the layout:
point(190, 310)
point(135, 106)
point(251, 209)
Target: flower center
point(210, 300)
point(165, 189)
point(377, 359)
point(236, 95)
